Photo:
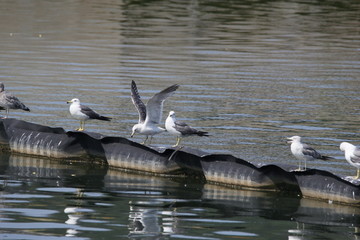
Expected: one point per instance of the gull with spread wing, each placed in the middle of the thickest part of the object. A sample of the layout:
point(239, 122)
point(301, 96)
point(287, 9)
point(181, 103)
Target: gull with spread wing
point(150, 114)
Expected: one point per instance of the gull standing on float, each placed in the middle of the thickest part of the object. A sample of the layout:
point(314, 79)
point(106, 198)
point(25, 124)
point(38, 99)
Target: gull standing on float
point(304, 152)
point(83, 113)
point(180, 129)
point(10, 101)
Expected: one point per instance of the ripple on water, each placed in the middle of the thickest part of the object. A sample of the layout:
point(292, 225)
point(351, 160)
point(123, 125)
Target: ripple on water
point(60, 190)
point(30, 212)
point(207, 220)
point(47, 225)
point(25, 196)
point(15, 236)
point(180, 236)
point(69, 210)
point(236, 234)
point(306, 128)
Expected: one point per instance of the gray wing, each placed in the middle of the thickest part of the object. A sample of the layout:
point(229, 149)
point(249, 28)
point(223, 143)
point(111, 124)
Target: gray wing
point(89, 112)
point(139, 104)
point(154, 106)
point(13, 102)
point(356, 156)
point(183, 128)
point(309, 151)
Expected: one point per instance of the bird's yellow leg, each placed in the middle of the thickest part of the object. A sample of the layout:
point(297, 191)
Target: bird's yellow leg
point(151, 137)
point(145, 140)
point(178, 140)
point(6, 115)
point(82, 123)
point(358, 174)
point(78, 129)
point(299, 168)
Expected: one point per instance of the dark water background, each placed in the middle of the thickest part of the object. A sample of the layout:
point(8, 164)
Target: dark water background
point(251, 73)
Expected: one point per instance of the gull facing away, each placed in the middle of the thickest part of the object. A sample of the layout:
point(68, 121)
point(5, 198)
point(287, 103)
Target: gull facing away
point(10, 101)
point(180, 129)
point(352, 156)
point(303, 151)
point(150, 114)
point(83, 113)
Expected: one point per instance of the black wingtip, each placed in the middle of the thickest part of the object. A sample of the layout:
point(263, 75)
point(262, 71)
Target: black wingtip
point(133, 86)
point(134, 90)
point(172, 88)
point(175, 86)
point(203, 134)
point(326, 158)
point(103, 118)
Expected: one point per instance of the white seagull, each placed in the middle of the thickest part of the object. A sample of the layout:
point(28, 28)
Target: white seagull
point(10, 101)
point(180, 129)
point(352, 155)
point(150, 114)
point(303, 151)
point(83, 113)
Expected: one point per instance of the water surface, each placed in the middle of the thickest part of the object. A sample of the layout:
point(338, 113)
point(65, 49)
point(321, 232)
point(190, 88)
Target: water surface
point(251, 73)
point(43, 199)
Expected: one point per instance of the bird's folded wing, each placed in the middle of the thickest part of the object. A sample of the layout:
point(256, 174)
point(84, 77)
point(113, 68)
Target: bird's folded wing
point(309, 151)
point(356, 156)
point(89, 112)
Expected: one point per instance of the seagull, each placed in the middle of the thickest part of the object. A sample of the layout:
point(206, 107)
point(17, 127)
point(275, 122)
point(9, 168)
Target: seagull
point(83, 113)
point(10, 101)
point(304, 152)
point(150, 114)
point(352, 155)
point(180, 129)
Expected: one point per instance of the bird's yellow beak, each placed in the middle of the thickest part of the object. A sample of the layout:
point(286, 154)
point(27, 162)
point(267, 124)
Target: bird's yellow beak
point(68, 102)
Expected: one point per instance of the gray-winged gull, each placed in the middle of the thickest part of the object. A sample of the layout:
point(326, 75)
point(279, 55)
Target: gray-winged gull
point(9, 101)
point(352, 155)
point(303, 151)
point(150, 114)
point(83, 113)
point(180, 129)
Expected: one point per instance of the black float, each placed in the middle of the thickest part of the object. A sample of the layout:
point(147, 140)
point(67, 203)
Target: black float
point(33, 139)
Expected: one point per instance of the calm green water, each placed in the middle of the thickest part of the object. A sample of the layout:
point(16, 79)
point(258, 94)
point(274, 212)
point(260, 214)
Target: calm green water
point(251, 73)
point(43, 199)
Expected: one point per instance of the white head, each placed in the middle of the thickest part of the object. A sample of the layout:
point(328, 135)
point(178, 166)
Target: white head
point(346, 146)
point(172, 114)
point(136, 128)
point(294, 139)
point(74, 100)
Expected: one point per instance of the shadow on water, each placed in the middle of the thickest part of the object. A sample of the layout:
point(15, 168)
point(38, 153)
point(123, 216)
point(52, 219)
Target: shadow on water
point(92, 200)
